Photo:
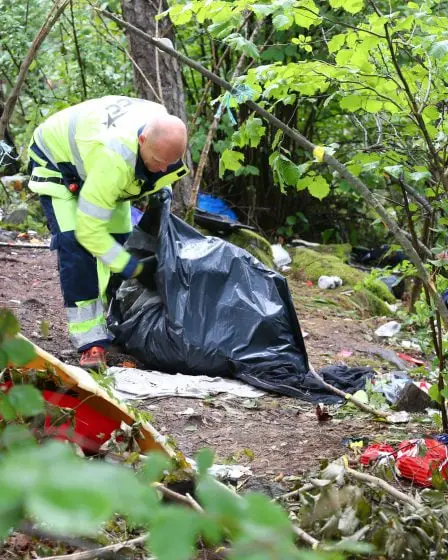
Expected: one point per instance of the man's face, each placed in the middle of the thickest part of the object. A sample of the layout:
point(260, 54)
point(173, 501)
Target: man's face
point(157, 156)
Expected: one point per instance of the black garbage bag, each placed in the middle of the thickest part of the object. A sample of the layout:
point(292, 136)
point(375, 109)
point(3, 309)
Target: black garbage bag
point(215, 310)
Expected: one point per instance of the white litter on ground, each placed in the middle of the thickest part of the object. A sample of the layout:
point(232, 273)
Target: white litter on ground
point(329, 282)
point(388, 329)
point(131, 384)
point(280, 255)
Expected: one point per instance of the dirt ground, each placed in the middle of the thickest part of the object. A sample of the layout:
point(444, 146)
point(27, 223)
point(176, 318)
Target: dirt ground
point(274, 436)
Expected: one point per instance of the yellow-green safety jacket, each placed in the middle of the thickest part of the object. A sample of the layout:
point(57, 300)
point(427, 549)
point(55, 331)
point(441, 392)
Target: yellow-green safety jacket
point(95, 144)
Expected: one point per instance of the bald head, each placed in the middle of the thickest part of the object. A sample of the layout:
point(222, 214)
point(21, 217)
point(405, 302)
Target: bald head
point(162, 142)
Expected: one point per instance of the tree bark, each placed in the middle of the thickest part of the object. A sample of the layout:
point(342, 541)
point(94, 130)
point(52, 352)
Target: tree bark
point(162, 72)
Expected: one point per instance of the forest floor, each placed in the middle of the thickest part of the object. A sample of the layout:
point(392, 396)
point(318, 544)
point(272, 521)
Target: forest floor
point(275, 436)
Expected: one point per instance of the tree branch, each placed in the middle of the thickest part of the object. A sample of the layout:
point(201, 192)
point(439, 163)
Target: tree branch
point(100, 552)
point(330, 160)
point(56, 10)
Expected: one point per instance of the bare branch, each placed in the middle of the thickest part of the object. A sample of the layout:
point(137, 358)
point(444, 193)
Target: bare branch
point(53, 15)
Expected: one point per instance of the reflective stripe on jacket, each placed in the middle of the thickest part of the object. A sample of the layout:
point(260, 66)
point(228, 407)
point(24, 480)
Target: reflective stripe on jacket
point(97, 142)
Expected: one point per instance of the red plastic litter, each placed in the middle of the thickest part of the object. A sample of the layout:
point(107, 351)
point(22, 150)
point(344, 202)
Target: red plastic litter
point(377, 451)
point(308, 283)
point(410, 359)
point(411, 464)
point(90, 430)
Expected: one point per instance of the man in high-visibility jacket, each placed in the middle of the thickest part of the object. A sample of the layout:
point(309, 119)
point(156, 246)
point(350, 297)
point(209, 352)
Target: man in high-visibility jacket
point(86, 163)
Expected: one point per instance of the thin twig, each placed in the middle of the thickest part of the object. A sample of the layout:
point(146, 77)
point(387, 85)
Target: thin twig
point(349, 398)
point(10, 103)
point(100, 552)
point(391, 490)
point(22, 245)
point(175, 496)
point(324, 156)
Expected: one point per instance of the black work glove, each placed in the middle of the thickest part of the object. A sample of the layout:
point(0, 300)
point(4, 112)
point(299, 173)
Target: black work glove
point(145, 272)
point(150, 222)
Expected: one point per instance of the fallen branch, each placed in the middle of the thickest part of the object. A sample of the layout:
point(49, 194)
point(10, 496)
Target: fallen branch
point(349, 398)
point(391, 490)
point(320, 154)
point(175, 496)
point(100, 552)
point(23, 245)
point(53, 15)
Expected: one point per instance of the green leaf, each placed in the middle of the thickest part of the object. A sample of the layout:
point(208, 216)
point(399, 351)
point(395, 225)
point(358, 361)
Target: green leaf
point(19, 351)
point(70, 510)
point(26, 400)
point(219, 501)
point(336, 43)
point(231, 160)
point(420, 176)
point(434, 393)
point(204, 460)
point(318, 187)
point(16, 435)
point(8, 323)
point(7, 411)
point(156, 463)
point(174, 532)
point(281, 21)
point(439, 49)
point(350, 6)
point(291, 220)
point(394, 170)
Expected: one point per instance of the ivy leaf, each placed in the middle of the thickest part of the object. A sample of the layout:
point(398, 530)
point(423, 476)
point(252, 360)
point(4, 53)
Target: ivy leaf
point(318, 187)
point(26, 400)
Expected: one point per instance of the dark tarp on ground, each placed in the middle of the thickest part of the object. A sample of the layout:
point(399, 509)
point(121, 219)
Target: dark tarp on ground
point(216, 310)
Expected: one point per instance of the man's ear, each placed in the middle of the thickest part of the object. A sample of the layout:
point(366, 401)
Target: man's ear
point(141, 139)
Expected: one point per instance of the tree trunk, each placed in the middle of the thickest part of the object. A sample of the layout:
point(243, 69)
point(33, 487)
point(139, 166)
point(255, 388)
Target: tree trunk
point(163, 82)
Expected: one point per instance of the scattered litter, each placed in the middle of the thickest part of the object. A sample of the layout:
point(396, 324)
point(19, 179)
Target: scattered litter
point(329, 282)
point(280, 255)
point(390, 384)
point(309, 283)
point(344, 353)
point(322, 413)
point(410, 359)
point(140, 384)
point(305, 334)
point(187, 412)
point(415, 459)
point(393, 307)
point(229, 472)
point(355, 443)
point(389, 329)
point(401, 417)
point(409, 345)
point(224, 472)
point(381, 453)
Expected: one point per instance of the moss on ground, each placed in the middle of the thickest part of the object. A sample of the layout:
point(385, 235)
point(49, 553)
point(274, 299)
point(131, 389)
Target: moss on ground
point(254, 243)
point(340, 250)
point(370, 294)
